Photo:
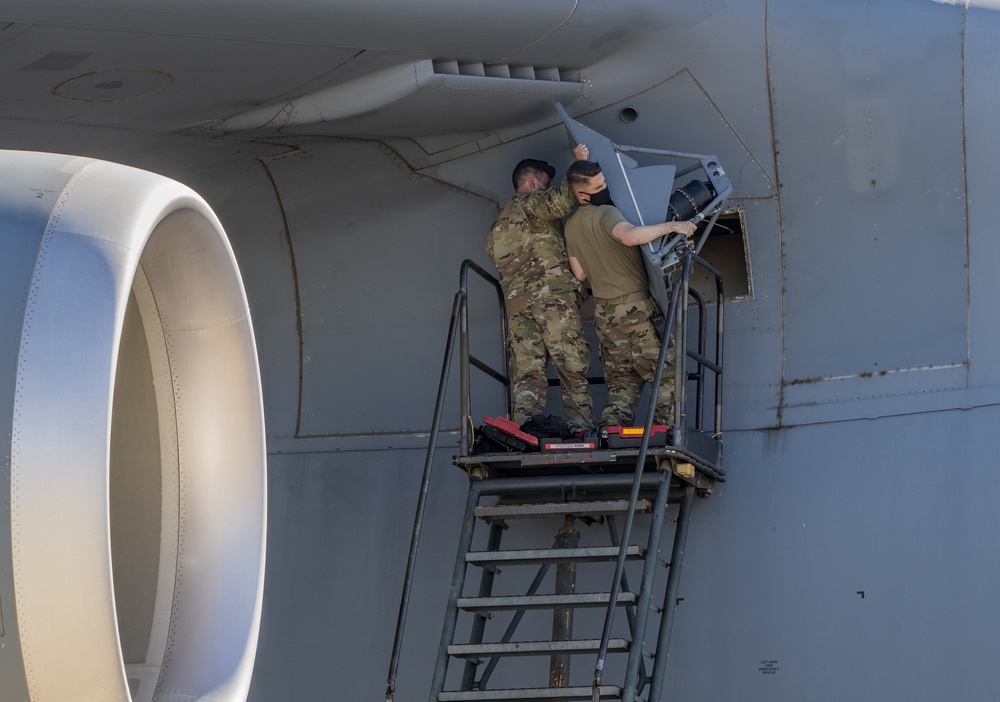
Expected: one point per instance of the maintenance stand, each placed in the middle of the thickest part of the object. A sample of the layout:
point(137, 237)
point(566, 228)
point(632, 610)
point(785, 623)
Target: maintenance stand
point(635, 471)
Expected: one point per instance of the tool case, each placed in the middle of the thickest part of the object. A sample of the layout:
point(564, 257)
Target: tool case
point(631, 437)
point(508, 434)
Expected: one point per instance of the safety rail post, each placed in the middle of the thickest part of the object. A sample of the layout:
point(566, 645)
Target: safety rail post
point(716, 365)
point(679, 430)
point(466, 359)
point(699, 376)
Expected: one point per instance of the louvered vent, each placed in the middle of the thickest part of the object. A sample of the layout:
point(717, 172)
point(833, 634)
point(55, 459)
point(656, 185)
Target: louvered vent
point(504, 70)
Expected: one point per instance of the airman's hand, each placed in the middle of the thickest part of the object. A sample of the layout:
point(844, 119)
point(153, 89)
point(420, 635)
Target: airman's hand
point(581, 152)
point(685, 228)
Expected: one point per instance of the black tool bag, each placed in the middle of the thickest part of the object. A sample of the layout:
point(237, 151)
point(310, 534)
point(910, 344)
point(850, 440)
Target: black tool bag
point(547, 426)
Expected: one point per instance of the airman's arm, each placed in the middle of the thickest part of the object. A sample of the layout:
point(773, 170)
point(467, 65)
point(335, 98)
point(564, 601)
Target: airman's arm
point(632, 235)
point(551, 204)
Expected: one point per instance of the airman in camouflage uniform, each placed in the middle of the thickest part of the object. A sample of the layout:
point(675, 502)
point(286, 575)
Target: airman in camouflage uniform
point(542, 297)
point(602, 249)
point(630, 348)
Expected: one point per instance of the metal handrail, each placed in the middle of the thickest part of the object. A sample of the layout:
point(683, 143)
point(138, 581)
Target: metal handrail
point(637, 478)
point(459, 317)
point(706, 363)
point(676, 321)
point(466, 360)
point(418, 520)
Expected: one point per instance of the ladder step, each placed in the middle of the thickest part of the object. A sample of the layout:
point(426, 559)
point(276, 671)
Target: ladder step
point(586, 599)
point(605, 692)
point(580, 509)
point(552, 555)
point(535, 648)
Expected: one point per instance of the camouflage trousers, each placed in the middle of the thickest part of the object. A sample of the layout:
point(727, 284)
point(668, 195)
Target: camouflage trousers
point(630, 348)
point(551, 330)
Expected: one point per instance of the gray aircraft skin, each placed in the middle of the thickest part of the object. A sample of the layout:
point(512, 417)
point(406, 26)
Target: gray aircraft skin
point(356, 153)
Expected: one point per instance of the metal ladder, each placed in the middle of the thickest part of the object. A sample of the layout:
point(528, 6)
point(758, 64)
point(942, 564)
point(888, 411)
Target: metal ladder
point(599, 499)
point(593, 486)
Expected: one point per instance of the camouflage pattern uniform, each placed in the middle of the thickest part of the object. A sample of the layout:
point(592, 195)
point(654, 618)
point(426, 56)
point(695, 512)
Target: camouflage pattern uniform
point(543, 305)
point(630, 348)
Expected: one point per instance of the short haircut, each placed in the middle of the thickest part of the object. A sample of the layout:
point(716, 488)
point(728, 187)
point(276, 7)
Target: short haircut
point(531, 167)
point(579, 173)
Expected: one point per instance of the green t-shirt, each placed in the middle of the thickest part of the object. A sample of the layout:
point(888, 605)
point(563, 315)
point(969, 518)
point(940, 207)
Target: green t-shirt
point(613, 269)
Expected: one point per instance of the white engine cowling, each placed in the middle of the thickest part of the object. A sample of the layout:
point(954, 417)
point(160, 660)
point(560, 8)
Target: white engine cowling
point(132, 552)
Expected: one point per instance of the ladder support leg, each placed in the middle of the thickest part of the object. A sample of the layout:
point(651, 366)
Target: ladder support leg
point(670, 596)
point(562, 617)
point(630, 689)
point(485, 590)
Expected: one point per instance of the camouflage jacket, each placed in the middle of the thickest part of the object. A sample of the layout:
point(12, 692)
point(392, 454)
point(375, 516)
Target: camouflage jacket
point(526, 245)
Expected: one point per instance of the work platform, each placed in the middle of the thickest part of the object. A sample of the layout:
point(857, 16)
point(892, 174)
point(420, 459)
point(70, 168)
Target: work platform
point(688, 465)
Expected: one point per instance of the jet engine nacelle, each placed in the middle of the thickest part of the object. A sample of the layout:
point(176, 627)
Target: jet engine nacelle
point(132, 499)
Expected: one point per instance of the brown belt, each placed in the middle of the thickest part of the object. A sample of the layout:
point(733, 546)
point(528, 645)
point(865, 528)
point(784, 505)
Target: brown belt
point(630, 297)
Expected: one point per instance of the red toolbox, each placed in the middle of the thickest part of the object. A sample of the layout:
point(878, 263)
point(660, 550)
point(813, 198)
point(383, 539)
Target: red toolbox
point(631, 437)
point(509, 434)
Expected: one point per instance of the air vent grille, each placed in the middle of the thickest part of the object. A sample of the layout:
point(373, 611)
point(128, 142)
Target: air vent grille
point(504, 70)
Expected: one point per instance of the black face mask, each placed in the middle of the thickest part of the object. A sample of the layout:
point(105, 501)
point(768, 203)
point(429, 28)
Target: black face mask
point(602, 197)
